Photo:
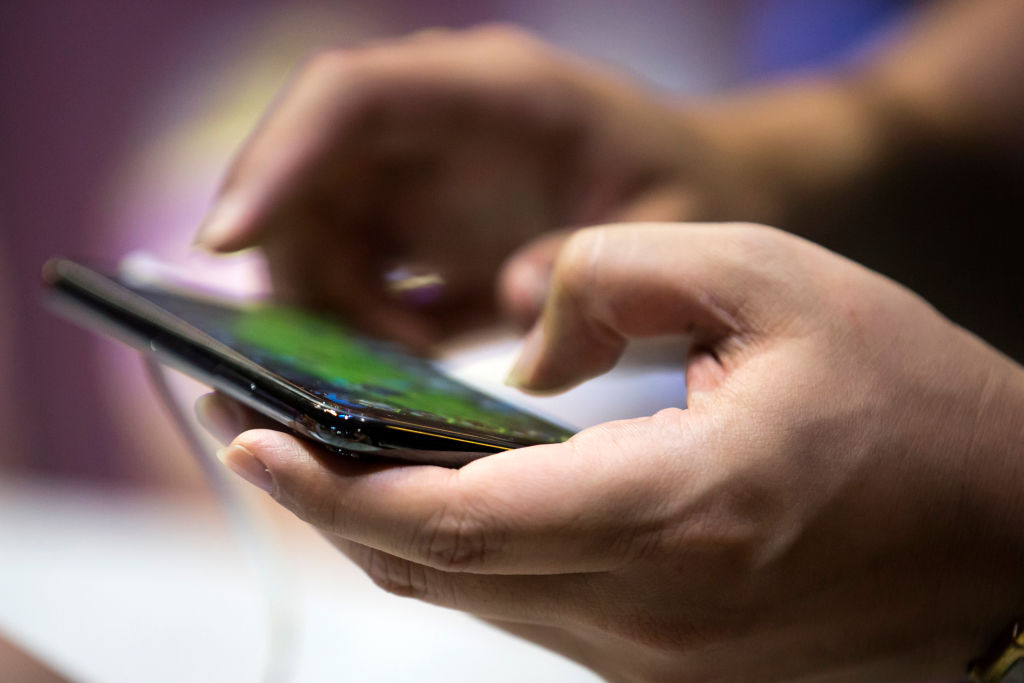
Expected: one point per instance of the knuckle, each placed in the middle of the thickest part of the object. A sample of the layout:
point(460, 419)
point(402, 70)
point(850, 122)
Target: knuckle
point(517, 50)
point(321, 509)
point(736, 536)
point(782, 263)
point(758, 242)
point(313, 501)
point(604, 436)
point(347, 88)
point(397, 576)
point(455, 539)
point(669, 420)
point(669, 633)
point(506, 33)
point(330, 60)
point(576, 266)
point(350, 69)
point(638, 543)
point(433, 34)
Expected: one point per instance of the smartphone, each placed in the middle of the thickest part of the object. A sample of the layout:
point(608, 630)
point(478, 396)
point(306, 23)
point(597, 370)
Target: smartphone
point(353, 394)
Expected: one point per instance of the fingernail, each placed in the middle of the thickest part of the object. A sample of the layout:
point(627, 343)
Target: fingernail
point(522, 370)
point(222, 223)
point(242, 462)
point(219, 416)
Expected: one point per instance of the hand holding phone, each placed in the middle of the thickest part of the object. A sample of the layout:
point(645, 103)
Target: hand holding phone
point(846, 475)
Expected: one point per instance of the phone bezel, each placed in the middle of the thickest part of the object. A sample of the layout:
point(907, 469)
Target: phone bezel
point(99, 301)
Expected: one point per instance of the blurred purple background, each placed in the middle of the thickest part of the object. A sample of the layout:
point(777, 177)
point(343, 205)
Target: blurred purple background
point(117, 118)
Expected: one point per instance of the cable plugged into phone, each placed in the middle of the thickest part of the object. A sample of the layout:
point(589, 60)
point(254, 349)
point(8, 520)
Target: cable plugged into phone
point(255, 544)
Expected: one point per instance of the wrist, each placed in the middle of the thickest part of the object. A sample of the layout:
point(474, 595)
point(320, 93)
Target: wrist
point(994, 508)
point(996, 457)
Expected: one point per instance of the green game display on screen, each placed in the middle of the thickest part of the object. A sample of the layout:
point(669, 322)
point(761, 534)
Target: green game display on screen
point(339, 365)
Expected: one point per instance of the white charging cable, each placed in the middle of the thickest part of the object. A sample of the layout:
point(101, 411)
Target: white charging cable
point(255, 544)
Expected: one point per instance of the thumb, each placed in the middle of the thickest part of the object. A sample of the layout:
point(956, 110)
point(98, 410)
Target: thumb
point(728, 285)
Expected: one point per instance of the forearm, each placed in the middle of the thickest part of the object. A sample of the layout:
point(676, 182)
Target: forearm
point(947, 86)
point(910, 162)
point(957, 73)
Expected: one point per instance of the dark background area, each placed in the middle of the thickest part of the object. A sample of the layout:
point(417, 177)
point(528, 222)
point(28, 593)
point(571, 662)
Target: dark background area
point(85, 84)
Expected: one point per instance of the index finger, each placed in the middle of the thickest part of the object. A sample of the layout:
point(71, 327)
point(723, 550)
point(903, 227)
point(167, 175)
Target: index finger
point(585, 505)
point(317, 116)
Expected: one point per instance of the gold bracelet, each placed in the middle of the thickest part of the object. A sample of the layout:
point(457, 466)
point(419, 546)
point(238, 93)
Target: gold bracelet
point(1005, 661)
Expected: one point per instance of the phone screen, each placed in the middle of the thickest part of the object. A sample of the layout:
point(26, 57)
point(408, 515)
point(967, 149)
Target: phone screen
point(335, 363)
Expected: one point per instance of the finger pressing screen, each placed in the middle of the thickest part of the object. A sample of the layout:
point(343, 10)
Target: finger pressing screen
point(616, 282)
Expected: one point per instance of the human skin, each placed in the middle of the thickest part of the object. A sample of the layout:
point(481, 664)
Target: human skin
point(444, 153)
point(463, 153)
point(839, 500)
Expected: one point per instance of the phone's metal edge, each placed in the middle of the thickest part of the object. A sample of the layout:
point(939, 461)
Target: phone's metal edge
point(110, 292)
point(240, 389)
